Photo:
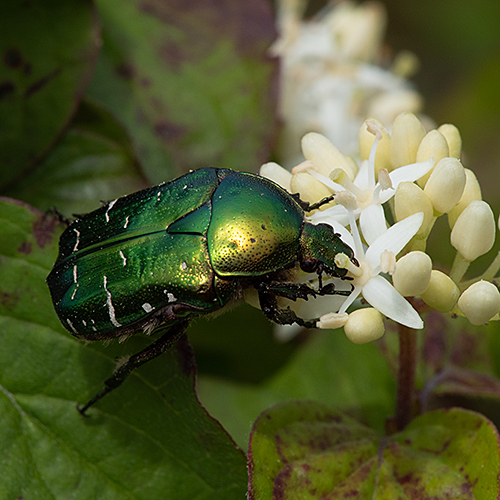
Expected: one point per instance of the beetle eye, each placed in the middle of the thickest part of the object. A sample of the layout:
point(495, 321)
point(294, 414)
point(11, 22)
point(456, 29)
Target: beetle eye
point(309, 266)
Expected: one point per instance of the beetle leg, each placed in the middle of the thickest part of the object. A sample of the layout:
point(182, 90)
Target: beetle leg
point(158, 347)
point(269, 306)
point(308, 207)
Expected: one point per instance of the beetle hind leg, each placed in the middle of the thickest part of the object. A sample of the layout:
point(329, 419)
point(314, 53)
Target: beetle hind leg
point(158, 347)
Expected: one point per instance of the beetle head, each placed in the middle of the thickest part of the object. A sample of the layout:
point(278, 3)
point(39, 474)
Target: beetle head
point(319, 245)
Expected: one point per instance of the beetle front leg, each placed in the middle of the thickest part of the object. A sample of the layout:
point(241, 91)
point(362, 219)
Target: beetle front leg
point(123, 371)
point(269, 306)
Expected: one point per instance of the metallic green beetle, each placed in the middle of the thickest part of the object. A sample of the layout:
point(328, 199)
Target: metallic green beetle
point(155, 259)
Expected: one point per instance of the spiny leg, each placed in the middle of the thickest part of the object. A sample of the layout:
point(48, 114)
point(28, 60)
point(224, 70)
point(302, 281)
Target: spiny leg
point(308, 207)
point(269, 306)
point(158, 347)
point(268, 293)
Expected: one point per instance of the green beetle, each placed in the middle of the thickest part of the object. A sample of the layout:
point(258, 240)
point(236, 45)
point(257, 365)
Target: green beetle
point(157, 258)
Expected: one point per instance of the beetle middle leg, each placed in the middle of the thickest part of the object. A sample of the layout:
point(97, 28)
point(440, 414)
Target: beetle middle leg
point(158, 347)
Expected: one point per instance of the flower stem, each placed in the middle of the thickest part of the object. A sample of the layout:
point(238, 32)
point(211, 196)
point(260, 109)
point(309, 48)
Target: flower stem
point(406, 376)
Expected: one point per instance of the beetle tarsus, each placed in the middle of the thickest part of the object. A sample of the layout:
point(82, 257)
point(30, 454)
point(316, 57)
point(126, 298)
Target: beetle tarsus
point(309, 207)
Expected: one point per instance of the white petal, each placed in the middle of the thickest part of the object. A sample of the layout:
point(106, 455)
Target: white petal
point(410, 172)
point(407, 173)
point(331, 215)
point(372, 223)
point(379, 293)
point(394, 239)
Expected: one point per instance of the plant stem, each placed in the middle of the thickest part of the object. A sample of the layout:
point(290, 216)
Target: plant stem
point(406, 376)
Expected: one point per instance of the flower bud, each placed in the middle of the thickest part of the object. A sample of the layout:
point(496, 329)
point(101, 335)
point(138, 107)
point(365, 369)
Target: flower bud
point(364, 325)
point(474, 231)
point(410, 199)
point(318, 149)
point(309, 188)
point(480, 302)
point(442, 292)
point(413, 274)
point(472, 191)
point(277, 174)
point(433, 145)
point(453, 138)
point(446, 184)
point(407, 134)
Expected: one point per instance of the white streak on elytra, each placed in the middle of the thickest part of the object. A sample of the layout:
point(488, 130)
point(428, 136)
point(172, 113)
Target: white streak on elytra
point(75, 248)
point(75, 278)
point(71, 325)
point(147, 307)
point(123, 258)
point(159, 195)
point(184, 266)
point(126, 222)
point(109, 303)
point(110, 206)
point(84, 322)
point(171, 297)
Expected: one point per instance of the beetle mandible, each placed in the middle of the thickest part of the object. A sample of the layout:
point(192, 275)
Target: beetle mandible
point(157, 258)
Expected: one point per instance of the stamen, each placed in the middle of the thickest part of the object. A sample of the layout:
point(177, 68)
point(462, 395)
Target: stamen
point(342, 261)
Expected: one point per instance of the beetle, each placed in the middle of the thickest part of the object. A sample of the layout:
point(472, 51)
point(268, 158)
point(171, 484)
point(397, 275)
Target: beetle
point(155, 259)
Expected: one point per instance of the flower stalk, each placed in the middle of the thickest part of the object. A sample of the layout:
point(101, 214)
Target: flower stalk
point(405, 398)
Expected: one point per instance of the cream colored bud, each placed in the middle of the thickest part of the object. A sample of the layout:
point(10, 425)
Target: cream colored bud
point(309, 188)
point(364, 325)
point(413, 274)
point(366, 138)
point(453, 138)
point(446, 184)
point(407, 134)
point(472, 191)
point(434, 146)
point(318, 149)
point(442, 292)
point(480, 302)
point(277, 174)
point(474, 231)
point(410, 199)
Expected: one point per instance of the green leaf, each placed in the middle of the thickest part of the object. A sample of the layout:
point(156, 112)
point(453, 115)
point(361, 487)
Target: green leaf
point(328, 368)
point(93, 161)
point(149, 439)
point(191, 82)
point(304, 450)
point(48, 51)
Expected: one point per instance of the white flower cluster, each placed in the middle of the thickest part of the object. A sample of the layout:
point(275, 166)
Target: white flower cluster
point(335, 72)
point(385, 208)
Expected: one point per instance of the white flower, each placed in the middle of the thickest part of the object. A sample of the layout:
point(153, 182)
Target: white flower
point(375, 289)
point(369, 193)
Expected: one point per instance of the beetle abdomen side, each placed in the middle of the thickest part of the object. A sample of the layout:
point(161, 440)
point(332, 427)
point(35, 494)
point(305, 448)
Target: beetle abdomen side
point(255, 226)
point(111, 289)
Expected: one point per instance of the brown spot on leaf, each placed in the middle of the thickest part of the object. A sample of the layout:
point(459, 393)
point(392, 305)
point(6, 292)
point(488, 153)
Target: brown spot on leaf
point(43, 229)
point(12, 58)
point(6, 88)
point(25, 248)
point(41, 82)
point(126, 71)
point(169, 131)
